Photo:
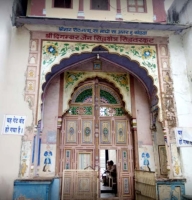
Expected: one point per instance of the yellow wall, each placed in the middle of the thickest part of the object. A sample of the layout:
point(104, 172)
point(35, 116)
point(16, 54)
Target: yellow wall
point(62, 12)
point(141, 17)
point(100, 15)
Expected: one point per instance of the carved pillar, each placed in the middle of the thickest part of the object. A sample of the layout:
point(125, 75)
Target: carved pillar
point(119, 15)
point(80, 13)
point(169, 112)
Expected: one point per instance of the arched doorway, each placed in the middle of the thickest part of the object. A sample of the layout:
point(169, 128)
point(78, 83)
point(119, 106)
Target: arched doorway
point(96, 121)
point(64, 83)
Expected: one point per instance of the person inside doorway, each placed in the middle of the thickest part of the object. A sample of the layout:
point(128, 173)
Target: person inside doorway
point(105, 175)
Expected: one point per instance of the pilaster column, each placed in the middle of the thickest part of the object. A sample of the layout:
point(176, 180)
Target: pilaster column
point(38, 132)
point(97, 153)
point(80, 13)
point(168, 111)
point(118, 15)
point(59, 126)
point(135, 143)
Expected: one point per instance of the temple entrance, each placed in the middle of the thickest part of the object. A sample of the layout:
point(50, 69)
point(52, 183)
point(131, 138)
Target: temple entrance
point(96, 121)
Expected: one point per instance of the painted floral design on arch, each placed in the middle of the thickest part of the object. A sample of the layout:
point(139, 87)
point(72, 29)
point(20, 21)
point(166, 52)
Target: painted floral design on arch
point(140, 52)
point(121, 79)
point(52, 49)
point(73, 77)
point(147, 53)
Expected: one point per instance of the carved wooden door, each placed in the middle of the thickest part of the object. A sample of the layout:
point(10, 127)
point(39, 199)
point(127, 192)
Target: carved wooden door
point(96, 120)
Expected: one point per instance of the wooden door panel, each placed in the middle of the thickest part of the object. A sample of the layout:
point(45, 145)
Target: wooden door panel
point(105, 132)
point(86, 129)
point(125, 174)
point(87, 134)
point(79, 184)
point(121, 132)
point(71, 132)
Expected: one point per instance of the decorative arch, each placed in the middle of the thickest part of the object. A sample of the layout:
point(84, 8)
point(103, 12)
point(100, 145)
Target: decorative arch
point(73, 78)
point(139, 60)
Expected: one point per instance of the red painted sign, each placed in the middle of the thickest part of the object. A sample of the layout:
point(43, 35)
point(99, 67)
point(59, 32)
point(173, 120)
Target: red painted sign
point(99, 38)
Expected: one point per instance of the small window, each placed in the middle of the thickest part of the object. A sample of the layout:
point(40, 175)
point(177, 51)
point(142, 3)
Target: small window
point(63, 3)
point(100, 4)
point(137, 6)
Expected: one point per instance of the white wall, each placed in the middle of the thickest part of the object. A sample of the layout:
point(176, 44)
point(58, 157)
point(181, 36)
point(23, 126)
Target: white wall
point(14, 54)
point(187, 42)
point(167, 4)
point(180, 58)
point(185, 17)
point(5, 36)
point(181, 63)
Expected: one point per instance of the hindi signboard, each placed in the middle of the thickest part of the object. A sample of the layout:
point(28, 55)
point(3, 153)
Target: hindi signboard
point(14, 124)
point(183, 137)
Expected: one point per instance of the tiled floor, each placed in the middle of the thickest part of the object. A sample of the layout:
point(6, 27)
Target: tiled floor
point(104, 187)
point(106, 195)
point(106, 191)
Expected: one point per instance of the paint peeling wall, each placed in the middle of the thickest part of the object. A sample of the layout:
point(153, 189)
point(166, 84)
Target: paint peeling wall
point(180, 62)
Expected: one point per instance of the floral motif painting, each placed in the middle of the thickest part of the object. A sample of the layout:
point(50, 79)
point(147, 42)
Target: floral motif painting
point(87, 132)
point(125, 186)
point(105, 132)
point(71, 132)
point(124, 160)
point(53, 52)
point(121, 132)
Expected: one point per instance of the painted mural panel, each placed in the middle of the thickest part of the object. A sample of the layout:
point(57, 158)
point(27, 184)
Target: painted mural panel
point(47, 162)
point(146, 158)
point(25, 159)
point(87, 132)
point(163, 159)
point(121, 132)
point(71, 132)
point(125, 166)
point(175, 161)
point(67, 159)
point(105, 132)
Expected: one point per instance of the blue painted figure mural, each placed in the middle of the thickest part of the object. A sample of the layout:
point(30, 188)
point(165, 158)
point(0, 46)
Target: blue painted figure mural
point(145, 157)
point(47, 161)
